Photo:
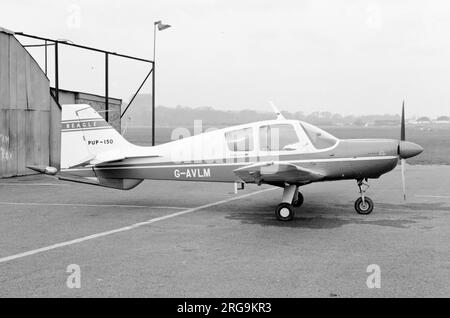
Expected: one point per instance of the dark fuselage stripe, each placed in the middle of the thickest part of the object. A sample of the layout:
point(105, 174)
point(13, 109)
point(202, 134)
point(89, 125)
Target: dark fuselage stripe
point(79, 120)
point(85, 129)
point(84, 125)
point(230, 164)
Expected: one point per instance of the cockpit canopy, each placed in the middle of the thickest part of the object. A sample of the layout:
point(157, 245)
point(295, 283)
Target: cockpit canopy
point(289, 135)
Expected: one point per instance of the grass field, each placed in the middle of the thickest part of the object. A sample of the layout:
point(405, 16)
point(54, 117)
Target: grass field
point(435, 141)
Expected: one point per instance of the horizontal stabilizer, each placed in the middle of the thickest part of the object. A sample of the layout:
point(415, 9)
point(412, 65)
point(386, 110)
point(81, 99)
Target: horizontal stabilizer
point(120, 184)
point(83, 162)
point(106, 157)
point(110, 157)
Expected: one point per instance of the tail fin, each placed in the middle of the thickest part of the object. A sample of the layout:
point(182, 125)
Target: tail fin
point(86, 136)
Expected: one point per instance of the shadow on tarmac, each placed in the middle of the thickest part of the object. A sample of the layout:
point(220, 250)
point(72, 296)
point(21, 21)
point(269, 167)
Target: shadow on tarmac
point(316, 216)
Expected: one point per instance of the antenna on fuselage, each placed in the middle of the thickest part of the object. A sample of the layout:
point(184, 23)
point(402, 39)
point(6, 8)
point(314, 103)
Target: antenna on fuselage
point(277, 111)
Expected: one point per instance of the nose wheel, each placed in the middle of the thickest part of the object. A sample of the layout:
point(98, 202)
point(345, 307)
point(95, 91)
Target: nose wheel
point(363, 205)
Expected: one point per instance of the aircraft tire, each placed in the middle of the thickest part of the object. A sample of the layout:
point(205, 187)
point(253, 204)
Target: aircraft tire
point(362, 208)
point(299, 202)
point(285, 212)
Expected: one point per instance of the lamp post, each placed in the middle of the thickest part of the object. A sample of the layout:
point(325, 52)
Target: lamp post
point(161, 27)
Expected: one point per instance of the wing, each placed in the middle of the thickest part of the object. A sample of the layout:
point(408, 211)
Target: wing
point(277, 171)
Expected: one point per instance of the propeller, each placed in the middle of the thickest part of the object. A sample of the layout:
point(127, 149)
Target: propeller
point(406, 150)
point(402, 160)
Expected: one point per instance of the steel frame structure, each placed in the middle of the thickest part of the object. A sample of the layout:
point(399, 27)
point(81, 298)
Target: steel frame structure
point(52, 42)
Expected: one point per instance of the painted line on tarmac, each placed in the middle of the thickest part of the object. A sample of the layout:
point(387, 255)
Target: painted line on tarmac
point(94, 205)
point(433, 196)
point(126, 228)
point(33, 184)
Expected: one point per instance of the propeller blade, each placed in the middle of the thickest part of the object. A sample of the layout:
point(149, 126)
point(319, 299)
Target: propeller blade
point(403, 126)
point(403, 161)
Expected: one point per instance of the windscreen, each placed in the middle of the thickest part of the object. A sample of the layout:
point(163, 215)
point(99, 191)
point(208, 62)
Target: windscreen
point(319, 138)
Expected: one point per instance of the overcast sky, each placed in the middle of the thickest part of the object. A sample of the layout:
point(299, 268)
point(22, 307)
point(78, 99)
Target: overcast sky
point(352, 57)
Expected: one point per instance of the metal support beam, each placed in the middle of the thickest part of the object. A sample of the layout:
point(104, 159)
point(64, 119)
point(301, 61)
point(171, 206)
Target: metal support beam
point(56, 73)
point(153, 105)
point(137, 92)
point(82, 47)
point(107, 87)
point(46, 57)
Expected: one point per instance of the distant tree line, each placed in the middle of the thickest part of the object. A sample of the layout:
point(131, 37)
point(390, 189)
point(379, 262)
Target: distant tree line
point(139, 114)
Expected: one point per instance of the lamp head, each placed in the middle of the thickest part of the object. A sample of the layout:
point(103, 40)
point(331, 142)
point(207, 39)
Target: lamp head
point(161, 26)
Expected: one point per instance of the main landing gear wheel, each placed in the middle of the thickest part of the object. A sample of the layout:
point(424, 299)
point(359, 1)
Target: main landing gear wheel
point(364, 207)
point(299, 202)
point(285, 212)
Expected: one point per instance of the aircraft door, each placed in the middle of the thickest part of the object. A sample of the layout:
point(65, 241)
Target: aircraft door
point(280, 139)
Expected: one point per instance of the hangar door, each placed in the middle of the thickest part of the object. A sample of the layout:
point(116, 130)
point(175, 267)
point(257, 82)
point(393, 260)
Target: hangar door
point(29, 117)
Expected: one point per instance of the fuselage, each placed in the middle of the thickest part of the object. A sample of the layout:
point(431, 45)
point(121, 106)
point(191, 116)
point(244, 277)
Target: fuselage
point(214, 155)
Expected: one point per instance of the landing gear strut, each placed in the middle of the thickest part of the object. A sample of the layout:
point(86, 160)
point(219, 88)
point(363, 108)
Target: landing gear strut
point(363, 205)
point(291, 198)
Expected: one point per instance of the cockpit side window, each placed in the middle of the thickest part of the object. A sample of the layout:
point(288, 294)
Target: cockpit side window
point(319, 138)
point(277, 137)
point(240, 140)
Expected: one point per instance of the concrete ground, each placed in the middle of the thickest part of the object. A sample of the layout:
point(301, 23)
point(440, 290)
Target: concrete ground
point(169, 239)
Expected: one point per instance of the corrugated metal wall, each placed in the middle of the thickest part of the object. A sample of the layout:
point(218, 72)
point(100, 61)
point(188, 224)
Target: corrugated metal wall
point(29, 117)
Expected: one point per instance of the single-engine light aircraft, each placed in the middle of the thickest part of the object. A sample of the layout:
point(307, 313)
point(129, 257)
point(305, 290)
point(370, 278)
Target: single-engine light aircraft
point(280, 152)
